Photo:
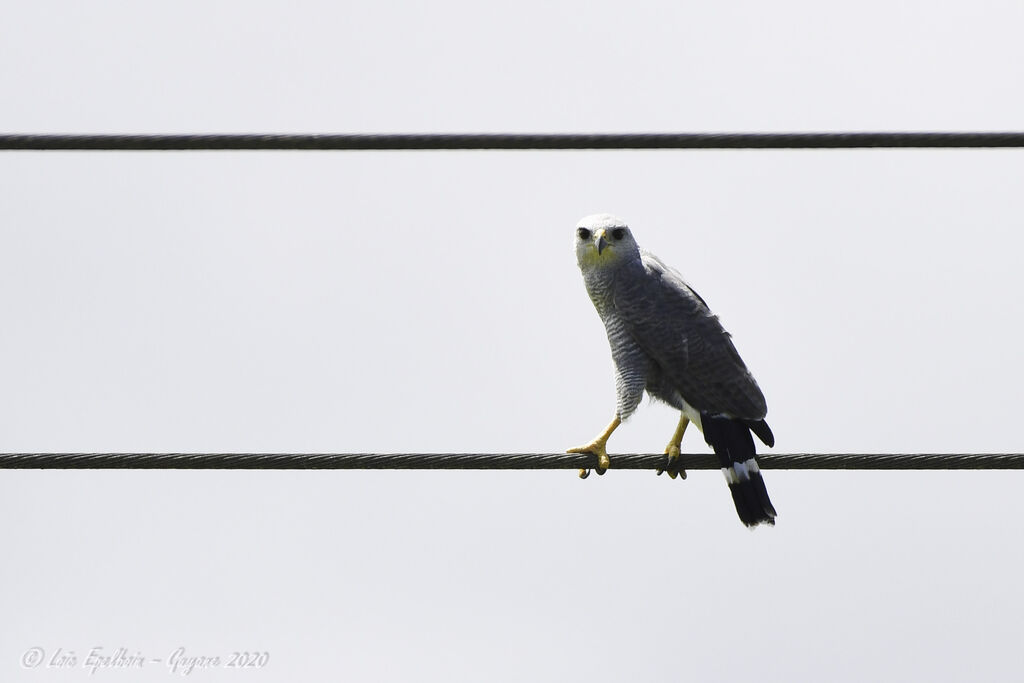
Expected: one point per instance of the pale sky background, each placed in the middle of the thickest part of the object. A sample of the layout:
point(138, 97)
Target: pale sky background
point(428, 302)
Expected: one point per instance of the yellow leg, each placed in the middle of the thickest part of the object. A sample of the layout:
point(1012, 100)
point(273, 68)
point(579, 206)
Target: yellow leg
point(599, 448)
point(672, 450)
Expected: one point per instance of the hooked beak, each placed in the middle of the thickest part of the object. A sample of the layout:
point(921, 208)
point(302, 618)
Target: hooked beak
point(601, 242)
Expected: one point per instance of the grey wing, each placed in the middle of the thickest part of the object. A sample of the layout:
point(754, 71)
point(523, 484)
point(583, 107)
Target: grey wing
point(677, 330)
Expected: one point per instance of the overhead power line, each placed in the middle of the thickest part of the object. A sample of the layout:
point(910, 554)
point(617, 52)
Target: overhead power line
point(493, 141)
point(498, 461)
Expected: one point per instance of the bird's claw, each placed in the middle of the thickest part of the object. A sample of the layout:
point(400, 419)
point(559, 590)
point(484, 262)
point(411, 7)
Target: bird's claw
point(596, 449)
point(672, 467)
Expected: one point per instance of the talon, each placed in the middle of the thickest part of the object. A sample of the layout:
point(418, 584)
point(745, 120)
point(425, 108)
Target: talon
point(672, 451)
point(598, 447)
point(672, 467)
point(595, 449)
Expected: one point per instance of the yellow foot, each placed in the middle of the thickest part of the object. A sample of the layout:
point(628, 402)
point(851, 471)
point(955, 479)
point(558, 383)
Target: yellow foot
point(672, 450)
point(672, 467)
point(598, 448)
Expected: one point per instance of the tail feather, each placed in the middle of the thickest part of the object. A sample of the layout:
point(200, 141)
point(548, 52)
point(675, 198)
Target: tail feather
point(763, 431)
point(732, 443)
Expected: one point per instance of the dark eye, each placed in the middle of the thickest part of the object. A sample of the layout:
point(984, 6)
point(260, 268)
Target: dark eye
point(583, 233)
point(618, 233)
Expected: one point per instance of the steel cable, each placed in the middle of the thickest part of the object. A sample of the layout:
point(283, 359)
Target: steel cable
point(498, 461)
point(495, 141)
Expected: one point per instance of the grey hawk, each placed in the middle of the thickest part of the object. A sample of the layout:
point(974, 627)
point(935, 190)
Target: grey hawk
point(665, 340)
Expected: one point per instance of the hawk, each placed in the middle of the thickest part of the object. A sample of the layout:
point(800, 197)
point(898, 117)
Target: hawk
point(666, 341)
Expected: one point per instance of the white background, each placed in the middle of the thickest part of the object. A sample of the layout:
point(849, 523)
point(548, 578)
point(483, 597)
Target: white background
point(430, 302)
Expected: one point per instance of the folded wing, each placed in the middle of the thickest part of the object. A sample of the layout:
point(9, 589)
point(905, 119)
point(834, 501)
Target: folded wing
point(675, 327)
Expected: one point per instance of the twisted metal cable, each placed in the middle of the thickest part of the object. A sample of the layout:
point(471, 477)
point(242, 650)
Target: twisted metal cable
point(452, 141)
point(498, 461)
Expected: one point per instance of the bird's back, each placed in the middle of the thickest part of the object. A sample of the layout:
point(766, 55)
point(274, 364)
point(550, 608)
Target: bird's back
point(675, 327)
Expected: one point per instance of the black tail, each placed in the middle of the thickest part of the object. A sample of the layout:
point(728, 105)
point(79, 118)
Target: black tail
point(735, 450)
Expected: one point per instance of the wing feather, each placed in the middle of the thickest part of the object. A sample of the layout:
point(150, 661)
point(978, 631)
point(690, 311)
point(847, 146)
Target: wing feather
point(677, 330)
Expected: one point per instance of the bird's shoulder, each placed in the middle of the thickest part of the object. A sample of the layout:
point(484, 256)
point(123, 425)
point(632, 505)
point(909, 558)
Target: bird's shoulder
point(675, 326)
point(657, 289)
point(669, 278)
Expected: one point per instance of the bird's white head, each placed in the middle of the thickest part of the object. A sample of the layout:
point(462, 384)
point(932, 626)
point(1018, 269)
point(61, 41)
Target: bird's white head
point(604, 240)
